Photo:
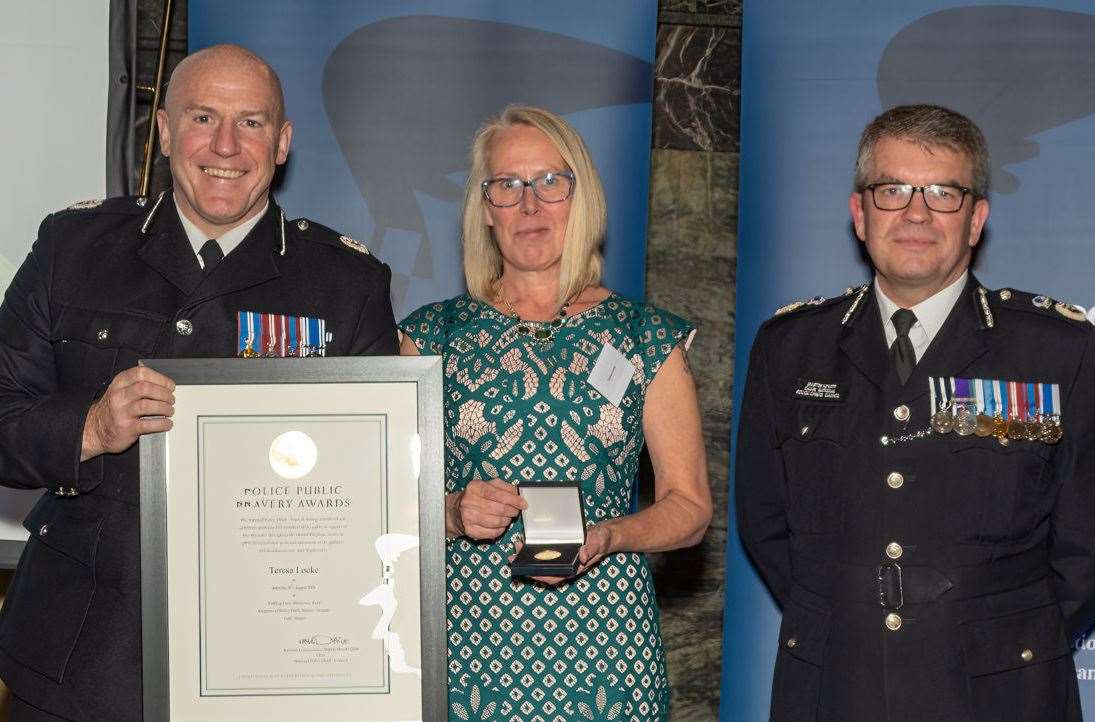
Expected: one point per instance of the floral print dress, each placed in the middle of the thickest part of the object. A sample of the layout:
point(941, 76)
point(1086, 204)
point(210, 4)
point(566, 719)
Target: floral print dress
point(522, 410)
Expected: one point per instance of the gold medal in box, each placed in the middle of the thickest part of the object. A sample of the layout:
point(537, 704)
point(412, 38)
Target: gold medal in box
point(554, 530)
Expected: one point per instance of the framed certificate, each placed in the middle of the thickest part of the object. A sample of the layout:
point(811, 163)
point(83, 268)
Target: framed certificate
point(292, 542)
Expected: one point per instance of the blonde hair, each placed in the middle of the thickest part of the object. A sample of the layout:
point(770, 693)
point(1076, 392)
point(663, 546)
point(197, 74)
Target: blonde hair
point(582, 261)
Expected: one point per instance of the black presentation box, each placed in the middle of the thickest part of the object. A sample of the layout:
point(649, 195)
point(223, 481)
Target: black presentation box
point(554, 530)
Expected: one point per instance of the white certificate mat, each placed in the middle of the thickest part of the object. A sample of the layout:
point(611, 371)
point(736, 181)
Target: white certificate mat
point(289, 623)
point(294, 544)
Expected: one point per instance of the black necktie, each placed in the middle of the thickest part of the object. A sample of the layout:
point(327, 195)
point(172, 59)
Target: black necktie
point(211, 255)
point(901, 352)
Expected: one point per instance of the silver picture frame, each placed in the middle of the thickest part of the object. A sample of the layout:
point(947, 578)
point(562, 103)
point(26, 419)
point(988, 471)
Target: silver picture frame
point(296, 384)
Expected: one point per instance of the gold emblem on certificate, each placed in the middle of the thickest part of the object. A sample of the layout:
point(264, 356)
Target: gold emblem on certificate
point(547, 555)
point(1006, 410)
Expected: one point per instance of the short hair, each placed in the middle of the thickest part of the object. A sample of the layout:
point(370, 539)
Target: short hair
point(930, 126)
point(582, 261)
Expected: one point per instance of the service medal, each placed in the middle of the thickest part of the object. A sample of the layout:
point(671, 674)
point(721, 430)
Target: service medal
point(942, 422)
point(985, 425)
point(965, 423)
point(999, 427)
point(1051, 431)
point(273, 335)
point(1017, 430)
point(548, 555)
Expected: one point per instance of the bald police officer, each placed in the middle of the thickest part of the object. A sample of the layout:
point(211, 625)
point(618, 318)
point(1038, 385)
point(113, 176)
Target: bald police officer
point(916, 463)
point(107, 284)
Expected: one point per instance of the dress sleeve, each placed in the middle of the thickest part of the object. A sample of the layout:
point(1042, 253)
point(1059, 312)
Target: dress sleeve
point(425, 327)
point(657, 334)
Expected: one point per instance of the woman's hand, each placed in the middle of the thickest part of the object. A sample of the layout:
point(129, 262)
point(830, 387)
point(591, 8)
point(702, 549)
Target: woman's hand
point(483, 510)
point(598, 544)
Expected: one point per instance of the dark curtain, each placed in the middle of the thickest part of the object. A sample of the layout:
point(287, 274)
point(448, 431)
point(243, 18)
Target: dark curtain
point(121, 163)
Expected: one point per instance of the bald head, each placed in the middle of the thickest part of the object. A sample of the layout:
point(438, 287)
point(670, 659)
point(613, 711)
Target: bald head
point(231, 58)
point(224, 131)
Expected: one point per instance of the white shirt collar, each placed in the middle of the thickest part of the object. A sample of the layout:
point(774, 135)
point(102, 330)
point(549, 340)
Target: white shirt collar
point(930, 314)
point(228, 240)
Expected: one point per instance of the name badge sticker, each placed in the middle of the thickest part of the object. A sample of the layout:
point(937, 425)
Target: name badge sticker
point(611, 374)
point(820, 391)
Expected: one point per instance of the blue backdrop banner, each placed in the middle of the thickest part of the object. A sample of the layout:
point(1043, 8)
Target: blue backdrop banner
point(386, 95)
point(813, 75)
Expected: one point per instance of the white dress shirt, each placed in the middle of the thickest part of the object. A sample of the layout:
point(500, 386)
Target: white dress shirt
point(930, 314)
point(228, 241)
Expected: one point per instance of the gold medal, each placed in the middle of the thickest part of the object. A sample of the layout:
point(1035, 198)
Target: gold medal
point(547, 555)
point(1051, 431)
point(985, 425)
point(999, 427)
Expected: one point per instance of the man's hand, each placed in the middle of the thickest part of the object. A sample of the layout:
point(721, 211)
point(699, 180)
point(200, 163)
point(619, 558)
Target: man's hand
point(483, 509)
point(138, 401)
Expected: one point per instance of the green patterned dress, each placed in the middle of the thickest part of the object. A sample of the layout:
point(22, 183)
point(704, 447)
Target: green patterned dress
point(521, 410)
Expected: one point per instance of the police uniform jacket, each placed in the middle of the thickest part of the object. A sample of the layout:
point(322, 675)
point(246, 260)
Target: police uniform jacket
point(922, 576)
point(102, 288)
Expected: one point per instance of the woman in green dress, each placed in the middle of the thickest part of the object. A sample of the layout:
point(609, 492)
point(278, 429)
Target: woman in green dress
point(524, 406)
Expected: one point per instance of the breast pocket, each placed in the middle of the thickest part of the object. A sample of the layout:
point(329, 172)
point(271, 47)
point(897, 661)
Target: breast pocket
point(1007, 487)
point(816, 460)
point(91, 346)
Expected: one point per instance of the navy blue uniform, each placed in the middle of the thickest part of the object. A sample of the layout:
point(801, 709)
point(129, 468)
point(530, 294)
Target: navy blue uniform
point(922, 576)
point(102, 288)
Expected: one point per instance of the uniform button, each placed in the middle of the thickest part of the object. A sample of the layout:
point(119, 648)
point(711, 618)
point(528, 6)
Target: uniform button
point(302, 224)
point(184, 327)
point(901, 413)
point(804, 430)
point(142, 201)
point(895, 480)
point(1005, 294)
point(103, 334)
point(1026, 655)
point(44, 530)
point(894, 550)
point(792, 642)
point(893, 622)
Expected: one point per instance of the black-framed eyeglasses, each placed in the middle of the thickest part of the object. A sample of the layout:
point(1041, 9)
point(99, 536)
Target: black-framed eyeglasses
point(897, 196)
point(550, 187)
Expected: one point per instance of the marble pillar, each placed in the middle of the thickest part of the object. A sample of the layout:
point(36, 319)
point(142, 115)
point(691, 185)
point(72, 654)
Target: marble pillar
point(690, 270)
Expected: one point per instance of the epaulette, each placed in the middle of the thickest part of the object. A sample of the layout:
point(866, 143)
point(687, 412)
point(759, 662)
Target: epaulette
point(129, 205)
point(816, 302)
point(1040, 304)
point(321, 233)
